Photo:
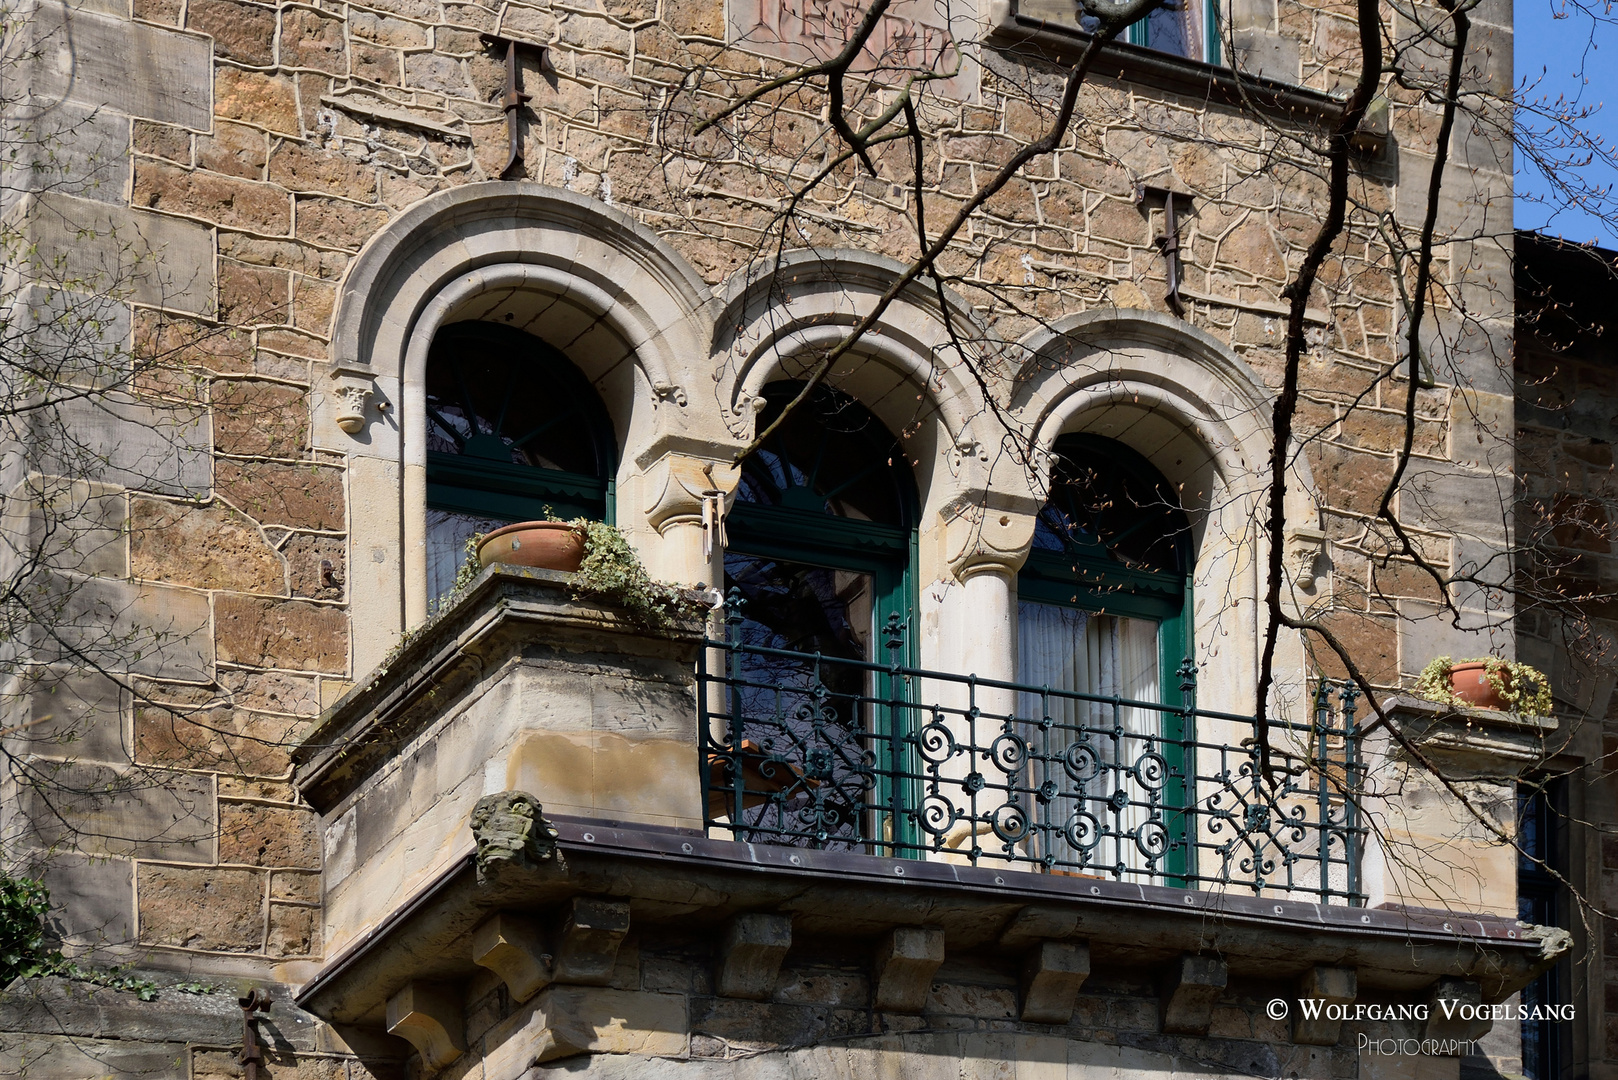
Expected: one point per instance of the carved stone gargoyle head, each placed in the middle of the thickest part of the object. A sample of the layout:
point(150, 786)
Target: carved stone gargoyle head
point(511, 830)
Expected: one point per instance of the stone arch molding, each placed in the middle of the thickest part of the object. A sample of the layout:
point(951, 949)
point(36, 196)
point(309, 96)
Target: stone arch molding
point(1138, 376)
point(770, 324)
point(585, 277)
point(491, 241)
point(1203, 417)
point(643, 325)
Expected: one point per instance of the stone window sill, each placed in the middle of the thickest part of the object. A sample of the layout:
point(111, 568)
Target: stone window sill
point(1061, 43)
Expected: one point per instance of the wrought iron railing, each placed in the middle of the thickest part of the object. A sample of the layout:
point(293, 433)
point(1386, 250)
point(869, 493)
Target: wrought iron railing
point(811, 750)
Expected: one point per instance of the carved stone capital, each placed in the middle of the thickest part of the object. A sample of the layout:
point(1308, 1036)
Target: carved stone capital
point(985, 534)
point(1304, 547)
point(677, 485)
point(511, 830)
point(352, 389)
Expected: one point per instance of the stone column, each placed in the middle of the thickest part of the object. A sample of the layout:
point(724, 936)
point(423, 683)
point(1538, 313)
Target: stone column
point(976, 634)
point(684, 499)
point(1442, 806)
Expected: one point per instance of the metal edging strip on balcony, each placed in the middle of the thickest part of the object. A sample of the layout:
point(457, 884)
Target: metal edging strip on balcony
point(669, 845)
point(679, 847)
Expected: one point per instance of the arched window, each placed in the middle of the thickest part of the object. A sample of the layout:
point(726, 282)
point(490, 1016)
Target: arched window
point(821, 542)
point(1103, 612)
point(821, 534)
point(513, 429)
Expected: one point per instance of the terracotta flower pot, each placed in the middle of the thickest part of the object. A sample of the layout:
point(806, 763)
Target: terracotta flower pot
point(1470, 683)
point(547, 545)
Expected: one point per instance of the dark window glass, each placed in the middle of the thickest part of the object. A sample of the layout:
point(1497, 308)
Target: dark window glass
point(1541, 899)
point(1185, 28)
point(1101, 612)
point(496, 394)
point(1166, 31)
point(830, 457)
point(1107, 503)
point(819, 547)
point(513, 430)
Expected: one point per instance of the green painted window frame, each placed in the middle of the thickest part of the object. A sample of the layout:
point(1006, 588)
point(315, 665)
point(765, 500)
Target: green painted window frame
point(889, 554)
point(1139, 33)
point(508, 491)
point(1086, 578)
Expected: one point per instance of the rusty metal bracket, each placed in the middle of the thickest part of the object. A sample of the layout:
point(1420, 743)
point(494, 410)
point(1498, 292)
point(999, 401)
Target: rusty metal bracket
point(1169, 242)
point(252, 1057)
point(513, 99)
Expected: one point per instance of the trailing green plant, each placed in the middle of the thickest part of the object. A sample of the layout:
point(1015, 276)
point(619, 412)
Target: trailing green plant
point(465, 574)
point(1523, 688)
point(24, 903)
point(468, 571)
point(613, 571)
point(610, 570)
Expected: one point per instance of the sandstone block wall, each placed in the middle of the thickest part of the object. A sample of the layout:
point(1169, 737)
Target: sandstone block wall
point(230, 158)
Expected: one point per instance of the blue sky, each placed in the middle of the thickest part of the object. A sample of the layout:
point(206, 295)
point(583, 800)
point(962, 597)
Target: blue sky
point(1576, 57)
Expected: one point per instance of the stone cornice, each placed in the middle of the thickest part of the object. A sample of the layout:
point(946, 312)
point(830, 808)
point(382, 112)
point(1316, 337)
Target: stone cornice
point(505, 609)
point(686, 880)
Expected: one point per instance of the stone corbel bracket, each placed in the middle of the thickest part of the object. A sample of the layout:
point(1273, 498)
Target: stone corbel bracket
point(905, 962)
point(1330, 986)
point(678, 484)
point(587, 940)
point(751, 955)
point(1304, 548)
point(353, 387)
point(428, 1016)
point(1190, 988)
point(1053, 972)
point(981, 535)
point(512, 948)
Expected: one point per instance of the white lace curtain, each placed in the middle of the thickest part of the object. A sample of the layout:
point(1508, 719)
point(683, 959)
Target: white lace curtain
point(1105, 655)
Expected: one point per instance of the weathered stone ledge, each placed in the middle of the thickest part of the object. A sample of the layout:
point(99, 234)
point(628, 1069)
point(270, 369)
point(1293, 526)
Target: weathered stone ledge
point(1062, 43)
point(1479, 741)
point(683, 880)
point(367, 725)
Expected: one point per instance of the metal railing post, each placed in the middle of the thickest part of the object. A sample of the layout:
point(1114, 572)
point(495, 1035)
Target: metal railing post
point(1187, 673)
point(1351, 808)
point(894, 634)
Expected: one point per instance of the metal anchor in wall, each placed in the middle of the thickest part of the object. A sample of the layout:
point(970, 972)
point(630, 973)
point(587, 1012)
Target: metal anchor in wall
point(256, 1001)
point(1169, 242)
point(513, 99)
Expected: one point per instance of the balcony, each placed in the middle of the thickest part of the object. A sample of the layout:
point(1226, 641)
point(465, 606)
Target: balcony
point(809, 751)
point(535, 789)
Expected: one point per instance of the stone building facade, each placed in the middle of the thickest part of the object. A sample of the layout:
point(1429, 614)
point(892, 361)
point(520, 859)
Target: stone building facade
point(285, 208)
point(1564, 361)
